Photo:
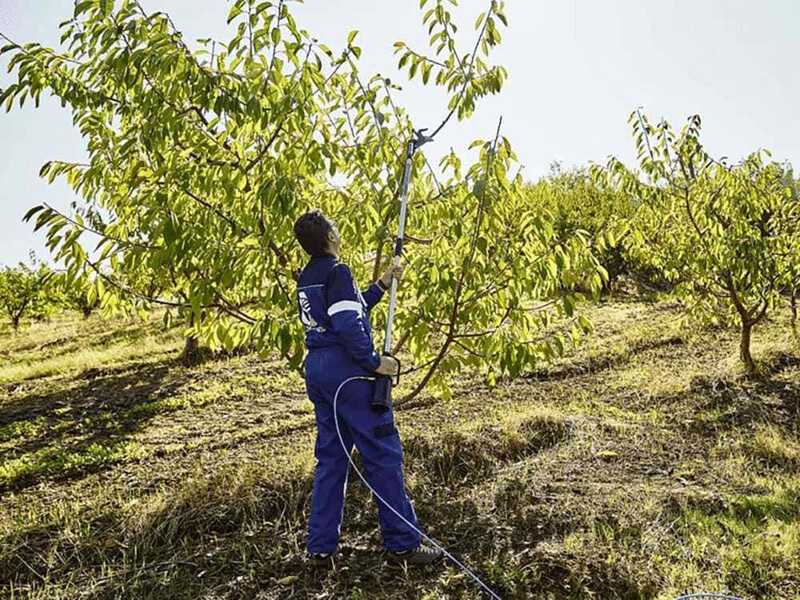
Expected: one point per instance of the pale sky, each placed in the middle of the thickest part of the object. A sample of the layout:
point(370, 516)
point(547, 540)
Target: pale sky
point(577, 68)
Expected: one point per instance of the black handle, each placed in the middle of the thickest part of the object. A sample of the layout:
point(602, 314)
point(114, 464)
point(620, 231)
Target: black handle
point(382, 395)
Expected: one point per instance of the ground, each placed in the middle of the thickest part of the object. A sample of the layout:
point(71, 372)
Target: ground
point(642, 465)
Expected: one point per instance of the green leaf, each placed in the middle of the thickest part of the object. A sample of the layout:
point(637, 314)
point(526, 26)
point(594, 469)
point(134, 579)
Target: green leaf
point(426, 72)
point(31, 212)
point(82, 7)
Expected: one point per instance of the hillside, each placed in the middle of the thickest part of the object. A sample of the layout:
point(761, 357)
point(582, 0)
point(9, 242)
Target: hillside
point(643, 465)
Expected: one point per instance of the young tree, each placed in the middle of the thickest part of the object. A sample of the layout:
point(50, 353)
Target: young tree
point(24, 294)
point(199, 162)
point(727, 234)
point(582, 205)
point(497, 289)
point(79, 295)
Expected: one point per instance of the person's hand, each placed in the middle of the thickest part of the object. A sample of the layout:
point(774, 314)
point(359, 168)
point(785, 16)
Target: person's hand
point(393, 271)
point(389, 366)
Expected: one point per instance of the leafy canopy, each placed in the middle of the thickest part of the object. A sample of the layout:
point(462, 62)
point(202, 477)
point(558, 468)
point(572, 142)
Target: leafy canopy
point(200, 160)
point(728, 235)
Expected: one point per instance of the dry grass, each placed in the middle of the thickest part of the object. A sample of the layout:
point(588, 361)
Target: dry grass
point(644, 465)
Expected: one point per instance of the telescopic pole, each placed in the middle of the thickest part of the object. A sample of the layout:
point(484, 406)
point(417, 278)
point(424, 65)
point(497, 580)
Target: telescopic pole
point(383, 389)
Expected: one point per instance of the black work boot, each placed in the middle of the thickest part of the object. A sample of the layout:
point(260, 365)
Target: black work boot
point(322, 560)
point(421, 555)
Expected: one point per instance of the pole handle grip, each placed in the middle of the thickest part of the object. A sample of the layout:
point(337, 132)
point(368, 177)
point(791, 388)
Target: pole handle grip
point(382, 392)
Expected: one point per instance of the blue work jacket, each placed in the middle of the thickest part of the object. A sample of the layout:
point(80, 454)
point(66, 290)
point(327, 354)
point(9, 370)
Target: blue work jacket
point(334, 312)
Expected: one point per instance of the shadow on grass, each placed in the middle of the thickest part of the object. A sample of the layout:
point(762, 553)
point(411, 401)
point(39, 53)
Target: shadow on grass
point(81, 428)
point(262, 556)
point(750, 400)
point(260, 552)
point(241, 534)
point(596, 364)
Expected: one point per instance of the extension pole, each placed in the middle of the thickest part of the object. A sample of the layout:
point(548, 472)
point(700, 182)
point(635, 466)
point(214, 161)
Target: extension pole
point(398, 244)
point(383, 389)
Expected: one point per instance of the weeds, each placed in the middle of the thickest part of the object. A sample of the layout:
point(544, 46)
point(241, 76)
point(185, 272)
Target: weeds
point(641, 466)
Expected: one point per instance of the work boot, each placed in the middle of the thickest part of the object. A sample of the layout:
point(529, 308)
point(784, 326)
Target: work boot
point(421, 555)
point(321, 560)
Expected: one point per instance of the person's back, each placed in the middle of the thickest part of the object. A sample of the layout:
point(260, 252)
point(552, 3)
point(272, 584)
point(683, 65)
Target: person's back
point(342, 363)
point(326, 293)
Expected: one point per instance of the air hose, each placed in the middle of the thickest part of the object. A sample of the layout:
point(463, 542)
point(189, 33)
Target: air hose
point(381, 400)
point(466, 570)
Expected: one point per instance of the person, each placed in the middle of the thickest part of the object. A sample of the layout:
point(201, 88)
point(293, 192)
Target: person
point(335, 315)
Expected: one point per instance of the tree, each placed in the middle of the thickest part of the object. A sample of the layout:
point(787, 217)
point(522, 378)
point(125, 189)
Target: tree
point(199, 162)
point(497, 289)
point(24, 294)
point(583, 205)
point(80, 295)
point(727, 234)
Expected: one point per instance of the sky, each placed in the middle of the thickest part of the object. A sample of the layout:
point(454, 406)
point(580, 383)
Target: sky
point(577, 68)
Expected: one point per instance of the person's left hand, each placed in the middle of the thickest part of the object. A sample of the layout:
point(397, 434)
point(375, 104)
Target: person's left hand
point(395, 271)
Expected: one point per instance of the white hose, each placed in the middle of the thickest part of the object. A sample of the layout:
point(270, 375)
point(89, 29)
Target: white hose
point(433, 542)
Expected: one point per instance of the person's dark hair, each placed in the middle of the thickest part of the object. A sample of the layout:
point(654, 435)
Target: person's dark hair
point(311, 230)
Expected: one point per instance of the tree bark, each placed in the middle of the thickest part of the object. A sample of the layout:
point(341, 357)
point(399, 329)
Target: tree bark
point(192, 352)
point(744, 346)
point(190, 349)
point(435, 365)
point(748, 320)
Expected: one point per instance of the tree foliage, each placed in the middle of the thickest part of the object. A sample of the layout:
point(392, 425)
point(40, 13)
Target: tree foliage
point(728, 235)
point(200, 160)
point(584, 205)
point(79, 295)
point(24, 293)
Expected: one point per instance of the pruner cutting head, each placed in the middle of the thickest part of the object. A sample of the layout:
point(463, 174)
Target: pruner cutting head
point(420, 138)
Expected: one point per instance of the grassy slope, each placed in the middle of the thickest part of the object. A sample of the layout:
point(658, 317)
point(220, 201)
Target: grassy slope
point(639, 467)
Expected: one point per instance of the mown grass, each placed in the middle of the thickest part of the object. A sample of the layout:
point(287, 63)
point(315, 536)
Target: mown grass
point(68, 345)
point(643, 465)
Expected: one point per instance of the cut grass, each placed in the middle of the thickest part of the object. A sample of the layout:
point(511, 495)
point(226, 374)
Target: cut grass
point(772, 448)
point(751, 544)
point(61, 461)
point(643, 465)
point(82, 359)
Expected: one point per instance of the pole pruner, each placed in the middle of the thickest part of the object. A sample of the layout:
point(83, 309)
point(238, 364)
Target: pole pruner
point(382, 399)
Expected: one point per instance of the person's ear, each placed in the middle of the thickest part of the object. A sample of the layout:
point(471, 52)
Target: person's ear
point(333, 239)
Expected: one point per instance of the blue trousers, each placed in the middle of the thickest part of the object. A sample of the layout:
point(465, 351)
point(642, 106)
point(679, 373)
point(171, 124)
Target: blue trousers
point(375, 437)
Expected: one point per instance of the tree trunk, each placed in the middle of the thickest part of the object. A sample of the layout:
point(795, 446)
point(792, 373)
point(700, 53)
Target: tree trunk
point(87, 312)
point(15, 323)
point(192, 352)
point(744, 346)
point(435, 365)
point(376, 266)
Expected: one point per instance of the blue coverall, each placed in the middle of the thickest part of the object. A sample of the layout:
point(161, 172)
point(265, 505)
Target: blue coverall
point(339, 341)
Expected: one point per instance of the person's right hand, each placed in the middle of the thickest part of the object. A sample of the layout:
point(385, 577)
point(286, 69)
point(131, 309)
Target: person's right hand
point(393, 271)
point(389, 366)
